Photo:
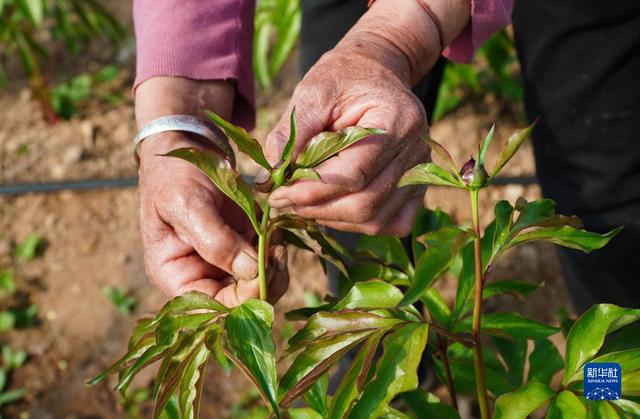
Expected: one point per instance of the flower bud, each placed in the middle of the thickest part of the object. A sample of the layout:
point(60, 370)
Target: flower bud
point(474, 176)
point(467, 171)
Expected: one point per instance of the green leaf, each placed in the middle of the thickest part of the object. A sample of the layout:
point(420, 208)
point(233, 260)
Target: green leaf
point(426, 405)
point(314, 361)
point(124, 302)
point(288, 33)
point(305, 234)
point(387, 249)
point(511, 147)
point(629, 361)
point(28, 248)
point(370, 295)
point(303, 413)
point(190, 388)
point(565, 321)
point(600, 410)
point(429, 174)
point(567, 236)
point(7, 321)
point(354, 379)
point(223, 176)
point(629, 407)
point(522, 402)
point(29, 61)
point(12, 396)
point(245, 142)
point(152, 354)
point(444, 154)
point(329, 324)
point(442, 247)
point(134, 352)
point(287, 151)
point(327, 144)
point(544, 361)
point(365, 271)
point(261, 42)
point(248, 329)
point(427, 221)
point(484, 146)
point(390, 413)
point(278, 174)
point(169, 326)
point(171, 381)
point(631, 383)
point(213, 341)
point(518, 288)
point(514, 354)
point(7, 283)
point(566, 406)
point(437, 306)
point(304, 173)
point(316, 396)
point(627, 337)
point(396, 371)
point(189, 301)
point(510, 325)
point(588, 333)
point(33, 10)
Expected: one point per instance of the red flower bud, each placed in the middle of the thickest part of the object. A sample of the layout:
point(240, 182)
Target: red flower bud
point(467, 171)
point(472, 175)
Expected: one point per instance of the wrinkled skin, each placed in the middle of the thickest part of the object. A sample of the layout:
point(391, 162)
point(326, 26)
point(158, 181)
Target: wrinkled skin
point(195, 238)
point(358, 189)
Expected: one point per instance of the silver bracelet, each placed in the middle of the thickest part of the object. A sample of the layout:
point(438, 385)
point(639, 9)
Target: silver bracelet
point(184, 123)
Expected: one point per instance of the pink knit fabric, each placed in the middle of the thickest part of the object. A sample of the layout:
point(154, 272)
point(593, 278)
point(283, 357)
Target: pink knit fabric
point(200, 40)
point(487, 17)
point(212, 40)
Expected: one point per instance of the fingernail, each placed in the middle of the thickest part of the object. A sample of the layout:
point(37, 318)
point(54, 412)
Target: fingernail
point(245, 266)
point(262, 180)
point(280, 203)
point(262, 175)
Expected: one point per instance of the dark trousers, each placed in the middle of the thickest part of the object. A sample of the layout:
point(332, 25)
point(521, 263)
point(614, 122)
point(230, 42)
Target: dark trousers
point(581, 72)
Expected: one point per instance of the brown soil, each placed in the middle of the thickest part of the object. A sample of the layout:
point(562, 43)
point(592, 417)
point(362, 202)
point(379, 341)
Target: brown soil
point(92, 241)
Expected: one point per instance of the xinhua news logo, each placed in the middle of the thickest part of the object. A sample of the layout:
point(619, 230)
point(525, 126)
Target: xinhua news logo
point(602, 381)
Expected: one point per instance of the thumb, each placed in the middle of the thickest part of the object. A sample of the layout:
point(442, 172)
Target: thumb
point(310, 120)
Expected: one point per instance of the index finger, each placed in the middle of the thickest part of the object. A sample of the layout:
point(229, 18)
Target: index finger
point(349, 171)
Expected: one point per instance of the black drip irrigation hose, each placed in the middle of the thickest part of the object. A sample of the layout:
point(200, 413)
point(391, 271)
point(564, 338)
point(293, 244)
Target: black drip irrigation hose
point(79, 185)
point(129, 182)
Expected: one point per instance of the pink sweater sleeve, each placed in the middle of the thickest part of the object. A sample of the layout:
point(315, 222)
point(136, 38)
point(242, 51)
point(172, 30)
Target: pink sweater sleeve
point(487, 17)
point(201, 40)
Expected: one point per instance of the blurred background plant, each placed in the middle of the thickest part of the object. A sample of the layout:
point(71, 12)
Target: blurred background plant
point(277, 28)
point(27, 26)
point(494, 71)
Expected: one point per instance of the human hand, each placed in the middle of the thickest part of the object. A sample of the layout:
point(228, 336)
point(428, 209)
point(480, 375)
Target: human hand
point(358, 189)
point(194, 237)
point(366, 81)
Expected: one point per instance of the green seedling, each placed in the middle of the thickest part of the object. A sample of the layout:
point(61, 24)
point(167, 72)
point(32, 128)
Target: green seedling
point(28, 248)
point(25, 23)
point(121, 299)
point(277, 28)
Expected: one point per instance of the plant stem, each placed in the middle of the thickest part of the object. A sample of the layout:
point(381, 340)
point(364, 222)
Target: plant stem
point(478, 362)
point(263, 244)
point(447, 369)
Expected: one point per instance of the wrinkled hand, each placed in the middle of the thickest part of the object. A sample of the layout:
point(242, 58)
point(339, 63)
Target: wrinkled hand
point(194, 237)
point(358, 190)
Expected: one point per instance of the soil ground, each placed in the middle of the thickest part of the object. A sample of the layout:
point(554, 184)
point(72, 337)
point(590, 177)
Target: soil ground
point(92, 241)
